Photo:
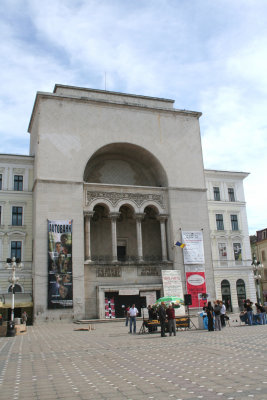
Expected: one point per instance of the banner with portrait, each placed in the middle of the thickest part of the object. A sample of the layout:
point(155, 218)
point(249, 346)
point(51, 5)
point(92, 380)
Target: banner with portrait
point(60, 282)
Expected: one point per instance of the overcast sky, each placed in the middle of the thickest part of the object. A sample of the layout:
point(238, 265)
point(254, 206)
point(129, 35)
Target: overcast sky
point(207, 55)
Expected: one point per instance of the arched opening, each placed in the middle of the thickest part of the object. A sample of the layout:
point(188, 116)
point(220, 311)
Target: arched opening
point(241, 293)
point(226, 294)
point(151, 235)
point(100, 233)
point(17, 289)
point(125, 164)
point(126, 234)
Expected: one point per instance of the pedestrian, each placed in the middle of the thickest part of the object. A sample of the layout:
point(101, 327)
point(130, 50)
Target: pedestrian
point(261, 313)
point(162, 318)
point(249, 311)
point(1, 319)
point(209, 311)
point(171, 320)
point(133, 312)
point(24, 317)
point(223, 311)
point(217, 312)
point(126, 313)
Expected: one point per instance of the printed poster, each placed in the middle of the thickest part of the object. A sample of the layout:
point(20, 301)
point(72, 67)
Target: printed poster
point(196, 284)
point(60, 281)
point(172, 283)
point(194, 250)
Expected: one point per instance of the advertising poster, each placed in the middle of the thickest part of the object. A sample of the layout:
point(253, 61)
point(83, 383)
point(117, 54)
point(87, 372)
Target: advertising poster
point(194, 250)
point(196, 283)
point(172, 283)
point(60, 264)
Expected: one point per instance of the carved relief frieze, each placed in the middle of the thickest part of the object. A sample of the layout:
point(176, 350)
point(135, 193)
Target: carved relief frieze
point(116, 197)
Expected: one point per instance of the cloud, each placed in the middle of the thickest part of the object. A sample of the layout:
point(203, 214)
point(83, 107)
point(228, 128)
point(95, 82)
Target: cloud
point(208, 56)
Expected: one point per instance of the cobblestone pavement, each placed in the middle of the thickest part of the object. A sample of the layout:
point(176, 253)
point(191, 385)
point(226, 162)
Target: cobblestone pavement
point(53, 361)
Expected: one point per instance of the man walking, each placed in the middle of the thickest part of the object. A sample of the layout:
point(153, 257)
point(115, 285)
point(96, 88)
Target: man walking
point(133, 314)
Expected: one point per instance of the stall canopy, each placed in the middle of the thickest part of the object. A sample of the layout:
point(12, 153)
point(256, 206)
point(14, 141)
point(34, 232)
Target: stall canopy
point(22, 300)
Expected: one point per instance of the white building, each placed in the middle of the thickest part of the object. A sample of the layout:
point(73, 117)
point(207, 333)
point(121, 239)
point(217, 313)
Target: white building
point(230, 244)
point(16, 179)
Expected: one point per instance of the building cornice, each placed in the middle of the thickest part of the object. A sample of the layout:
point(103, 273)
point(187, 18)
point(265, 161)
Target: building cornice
point(46, 95)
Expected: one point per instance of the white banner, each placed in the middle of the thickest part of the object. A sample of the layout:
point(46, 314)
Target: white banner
point(150, 297)
point(172, 283)
point(194, 249)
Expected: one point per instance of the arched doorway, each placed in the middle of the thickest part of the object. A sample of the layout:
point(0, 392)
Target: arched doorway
point(241, 293)
point(226, 295)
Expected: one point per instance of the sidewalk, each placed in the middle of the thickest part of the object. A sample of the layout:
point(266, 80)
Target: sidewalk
point(53, 361)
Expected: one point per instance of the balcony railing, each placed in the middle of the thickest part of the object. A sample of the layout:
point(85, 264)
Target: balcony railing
point(231, 263)
point(107, 259)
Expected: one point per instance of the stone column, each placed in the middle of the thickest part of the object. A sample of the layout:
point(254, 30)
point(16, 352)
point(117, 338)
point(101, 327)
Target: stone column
point(139, 218)
point(87, 229)
point(113, 217)
point(162, 218)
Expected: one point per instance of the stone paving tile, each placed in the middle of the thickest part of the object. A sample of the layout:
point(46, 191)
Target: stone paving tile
point(55, 362)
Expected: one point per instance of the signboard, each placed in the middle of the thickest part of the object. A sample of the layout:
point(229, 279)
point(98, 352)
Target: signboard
point(196, 284)
point(150, 297)
point(172, 283)
point(60, 264)
point(193, 251)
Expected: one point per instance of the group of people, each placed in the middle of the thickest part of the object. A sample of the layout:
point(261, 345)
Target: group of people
point(216, 315)
point(249, 317)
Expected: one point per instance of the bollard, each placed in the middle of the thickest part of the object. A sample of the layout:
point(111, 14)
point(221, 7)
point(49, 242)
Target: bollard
point(10, 332)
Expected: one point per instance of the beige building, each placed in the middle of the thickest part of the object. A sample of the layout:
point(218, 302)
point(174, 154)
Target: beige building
point(260, 254)
point(231, 255)
point(16, 179)
point(126, 173)
point(112, 182)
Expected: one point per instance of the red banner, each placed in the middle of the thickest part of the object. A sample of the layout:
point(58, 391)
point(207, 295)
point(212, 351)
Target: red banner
point(196, 283)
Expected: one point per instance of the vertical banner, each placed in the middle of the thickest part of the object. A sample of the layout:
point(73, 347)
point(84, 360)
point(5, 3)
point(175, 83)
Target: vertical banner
point(195, 283)
point(194, 249)
point(172, 283)
point(60, 264)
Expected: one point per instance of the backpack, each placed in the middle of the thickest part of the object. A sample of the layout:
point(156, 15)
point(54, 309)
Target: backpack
point(217, 309)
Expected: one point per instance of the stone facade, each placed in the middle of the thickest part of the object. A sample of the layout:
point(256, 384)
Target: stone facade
point(128, 171)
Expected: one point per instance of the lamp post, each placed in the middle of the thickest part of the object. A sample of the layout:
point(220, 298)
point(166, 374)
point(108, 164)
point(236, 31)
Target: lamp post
point(12, 264)
point(257, 268)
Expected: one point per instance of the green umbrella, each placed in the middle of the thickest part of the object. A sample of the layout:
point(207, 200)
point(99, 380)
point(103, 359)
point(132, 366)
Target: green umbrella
point(170, 299)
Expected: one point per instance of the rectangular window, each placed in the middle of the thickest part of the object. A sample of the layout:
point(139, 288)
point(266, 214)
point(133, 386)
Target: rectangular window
point(18, 182)
point(216, 192)
point(234, 222)
point(16, 250)
point(219, 222)
point(1, 178)
point(17, 216)
point(222, 251)
point(231, 194)
point(237, 252)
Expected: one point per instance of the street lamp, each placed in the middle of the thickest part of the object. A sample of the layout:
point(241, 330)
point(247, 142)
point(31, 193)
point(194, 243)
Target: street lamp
point(257, 268)
point(12, 264)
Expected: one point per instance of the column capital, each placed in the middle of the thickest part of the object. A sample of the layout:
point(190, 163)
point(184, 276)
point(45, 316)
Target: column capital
point(139, 216)
point(114, 215)
point(162, 217)
point(87, 213)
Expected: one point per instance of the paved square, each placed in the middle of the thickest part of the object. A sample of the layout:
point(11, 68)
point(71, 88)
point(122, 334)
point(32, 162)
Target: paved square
point(53, 361)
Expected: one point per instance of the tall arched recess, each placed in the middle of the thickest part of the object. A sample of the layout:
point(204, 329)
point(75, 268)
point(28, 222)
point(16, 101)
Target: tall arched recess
point(125, 164)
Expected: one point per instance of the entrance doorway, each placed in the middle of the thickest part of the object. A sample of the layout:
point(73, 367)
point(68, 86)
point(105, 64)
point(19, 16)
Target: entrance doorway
point(226, 295)
point(241, 293)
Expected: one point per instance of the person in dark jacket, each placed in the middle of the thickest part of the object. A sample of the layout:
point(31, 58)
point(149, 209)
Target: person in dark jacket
point(209, 311)
point(248, 309)
point(162, 318)
point(171, 320)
